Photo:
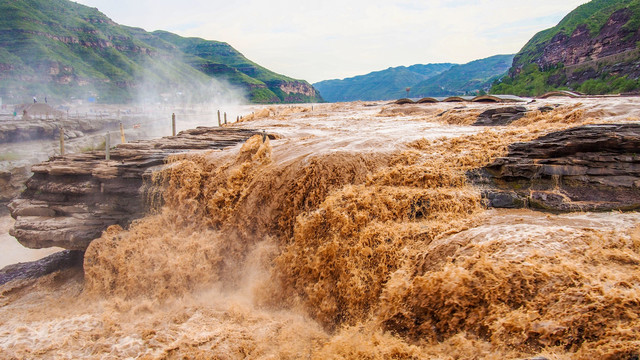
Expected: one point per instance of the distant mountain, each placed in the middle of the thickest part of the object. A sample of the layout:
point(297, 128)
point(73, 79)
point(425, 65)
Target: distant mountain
point(594, 50)
point(379, 85)
point(469, 78)
point(63, 49)
point(423, 80)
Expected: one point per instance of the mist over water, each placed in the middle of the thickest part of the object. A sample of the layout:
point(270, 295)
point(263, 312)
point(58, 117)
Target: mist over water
point(353, 235)
point(194, 98)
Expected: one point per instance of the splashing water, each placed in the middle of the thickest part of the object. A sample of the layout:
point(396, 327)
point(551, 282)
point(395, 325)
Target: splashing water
point(348, 238)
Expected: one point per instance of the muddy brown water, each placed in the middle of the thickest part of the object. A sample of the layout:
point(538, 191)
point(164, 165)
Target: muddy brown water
point(353, 235)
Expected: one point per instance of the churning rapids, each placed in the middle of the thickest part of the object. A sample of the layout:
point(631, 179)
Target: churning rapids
point(355, 234)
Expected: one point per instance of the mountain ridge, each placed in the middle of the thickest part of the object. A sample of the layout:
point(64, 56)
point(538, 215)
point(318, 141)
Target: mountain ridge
point(68, 50)
point(384, 84)
point(595, 49)
point(441, 79)
point(472, 77)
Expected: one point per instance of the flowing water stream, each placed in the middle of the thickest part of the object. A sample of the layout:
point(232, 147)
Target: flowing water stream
point(353, 235)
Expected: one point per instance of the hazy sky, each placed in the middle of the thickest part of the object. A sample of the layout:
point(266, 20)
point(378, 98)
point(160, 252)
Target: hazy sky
point(328, 39)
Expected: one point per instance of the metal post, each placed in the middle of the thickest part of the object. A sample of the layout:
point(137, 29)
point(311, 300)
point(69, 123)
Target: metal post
point(107, 146)
point(225, 118)
point(122, 133)
point(61, 142)
point(219, 122)
point(173, 124)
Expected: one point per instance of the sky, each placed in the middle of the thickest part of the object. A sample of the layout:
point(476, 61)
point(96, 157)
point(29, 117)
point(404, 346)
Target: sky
point(319, 40)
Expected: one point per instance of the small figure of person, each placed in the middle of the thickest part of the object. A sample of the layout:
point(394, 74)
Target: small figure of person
point(34, 100)
point(45, 99)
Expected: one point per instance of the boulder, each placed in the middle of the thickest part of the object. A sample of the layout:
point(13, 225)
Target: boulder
point(500, 116)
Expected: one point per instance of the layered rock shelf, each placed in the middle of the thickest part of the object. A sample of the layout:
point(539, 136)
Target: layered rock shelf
point(587, 168)
point(13, 131)
point(70, 200)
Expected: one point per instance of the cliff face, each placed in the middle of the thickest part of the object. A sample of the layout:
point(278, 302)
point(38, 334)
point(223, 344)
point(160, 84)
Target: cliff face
point(593, 50)
point(297, 87)
point(580, 47)
point(65, 50)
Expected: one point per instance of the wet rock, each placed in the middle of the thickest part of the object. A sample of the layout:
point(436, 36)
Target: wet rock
point(503, 199)
point(34, 269)
point(587, 168)
point(500, 116)
point(70, 200)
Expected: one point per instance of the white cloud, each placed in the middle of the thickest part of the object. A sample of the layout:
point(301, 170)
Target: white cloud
point(318, 40)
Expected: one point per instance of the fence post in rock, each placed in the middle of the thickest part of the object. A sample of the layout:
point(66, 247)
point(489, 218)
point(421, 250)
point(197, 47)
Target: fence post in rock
point(219, 121)
point(225, 118)
point(122, 133)
point(61, 142)
point(107, 146)
point(173, 124)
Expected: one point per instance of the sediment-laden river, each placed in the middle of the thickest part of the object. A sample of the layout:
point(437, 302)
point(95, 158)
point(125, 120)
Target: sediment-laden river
point(354, 234)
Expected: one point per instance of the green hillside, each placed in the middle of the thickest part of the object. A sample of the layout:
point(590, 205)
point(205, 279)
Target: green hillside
point(379, 85)
point(469, 78)
point(603, 37)
point(65, 50)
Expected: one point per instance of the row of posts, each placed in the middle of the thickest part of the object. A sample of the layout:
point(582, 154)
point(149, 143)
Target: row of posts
point(122, 138)
point(107, 142)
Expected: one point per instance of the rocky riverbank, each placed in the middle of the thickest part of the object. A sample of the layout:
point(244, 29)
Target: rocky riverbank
point(587, 168)
point(70, 200)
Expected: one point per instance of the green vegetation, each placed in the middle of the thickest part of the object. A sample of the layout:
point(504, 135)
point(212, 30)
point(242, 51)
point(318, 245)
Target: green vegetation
point(530, 82)
point(528, 78)
point(10, 156)
point(469, 78)
point(609, 85)
point(593, 14)
point(66, 50)
point(423, 80)
point(379, 85)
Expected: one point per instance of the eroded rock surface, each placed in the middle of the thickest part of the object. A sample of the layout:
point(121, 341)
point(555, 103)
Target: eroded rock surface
point(500, 116)
point(70, 200)
point(12, 181)
point(13, 131)
point(35, 269)
point(587, 168)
